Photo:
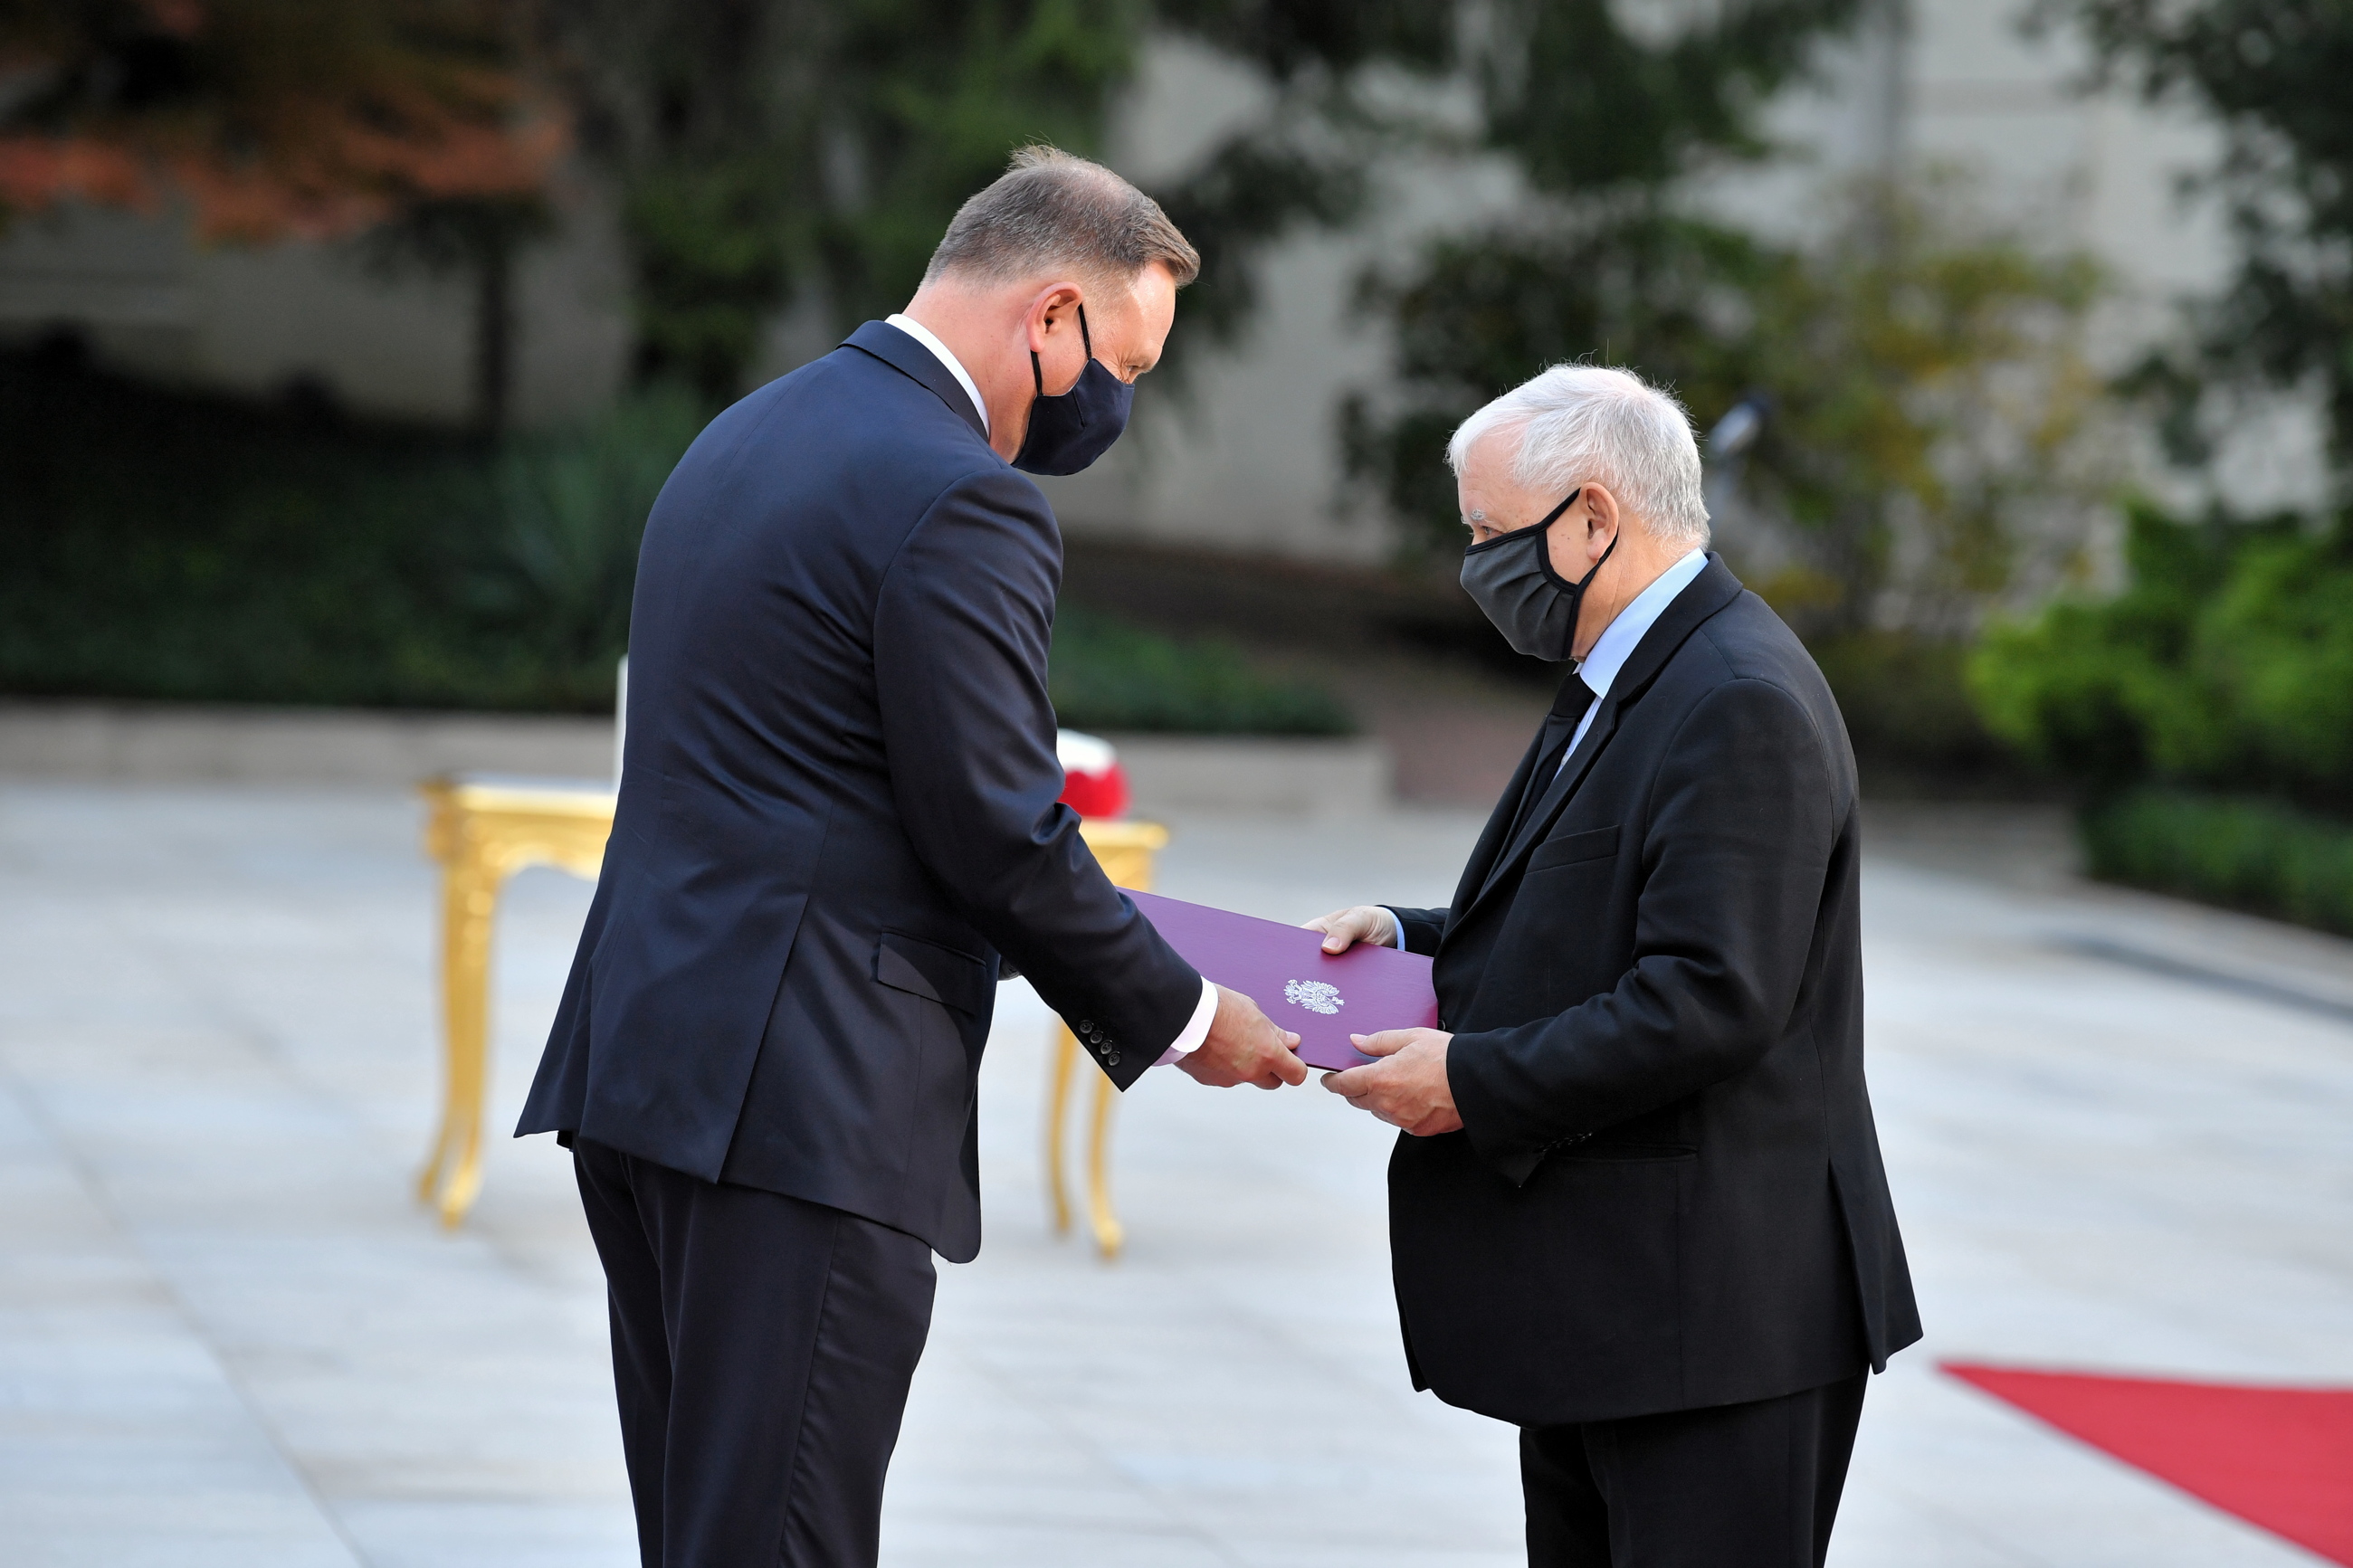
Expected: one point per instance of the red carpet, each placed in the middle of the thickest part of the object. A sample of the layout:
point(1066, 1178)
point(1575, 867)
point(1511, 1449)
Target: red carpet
point(2279, 1457)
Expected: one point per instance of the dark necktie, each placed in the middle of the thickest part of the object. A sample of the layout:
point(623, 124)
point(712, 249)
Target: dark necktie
point(1560, 724)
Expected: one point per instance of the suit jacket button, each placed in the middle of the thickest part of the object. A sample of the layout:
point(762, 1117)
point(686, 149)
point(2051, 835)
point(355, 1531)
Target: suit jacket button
point(1086, 1026)
point(1110, 1058)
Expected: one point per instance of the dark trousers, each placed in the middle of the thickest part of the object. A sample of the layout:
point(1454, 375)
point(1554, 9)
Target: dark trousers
point(1738, 1486)
point(761, 1350)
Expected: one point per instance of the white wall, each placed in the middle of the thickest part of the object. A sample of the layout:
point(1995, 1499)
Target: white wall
point(254, 318)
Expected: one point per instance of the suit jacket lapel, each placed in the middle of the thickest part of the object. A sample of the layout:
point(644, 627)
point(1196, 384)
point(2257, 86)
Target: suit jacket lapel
point(1572, 772)
point(1713, 588)
point(1484, 854)
point(904, 354)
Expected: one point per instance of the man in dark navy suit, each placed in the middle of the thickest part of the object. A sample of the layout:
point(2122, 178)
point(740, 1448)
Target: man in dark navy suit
point(838, 828)
point(1639, 1209)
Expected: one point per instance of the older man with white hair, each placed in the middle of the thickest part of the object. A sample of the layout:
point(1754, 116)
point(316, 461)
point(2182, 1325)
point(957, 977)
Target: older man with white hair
point(1639, 1209)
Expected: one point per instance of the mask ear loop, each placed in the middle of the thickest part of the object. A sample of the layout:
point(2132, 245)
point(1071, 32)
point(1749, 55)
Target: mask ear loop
point(1037, 377)
point(1544, 558)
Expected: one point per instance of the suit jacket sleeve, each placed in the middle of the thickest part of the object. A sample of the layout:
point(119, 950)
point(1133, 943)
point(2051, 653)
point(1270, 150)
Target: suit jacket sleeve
point(961, 631)
point(1419, 930)
point(1741, 829)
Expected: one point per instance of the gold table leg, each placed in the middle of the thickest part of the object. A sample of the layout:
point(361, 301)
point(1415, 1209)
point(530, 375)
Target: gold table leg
point(470, 898)
point(1059, 1063)
point(1124, 850)
point(1110, 1234)
point(1101, 1218)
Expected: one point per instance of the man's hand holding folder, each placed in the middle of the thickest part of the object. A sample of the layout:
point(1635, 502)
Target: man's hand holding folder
point(1405, 1084)
point(1324, 1002)
point(1243, 1047)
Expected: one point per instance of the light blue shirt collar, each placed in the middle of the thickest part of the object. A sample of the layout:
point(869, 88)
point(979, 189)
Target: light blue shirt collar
point(923, 334)
point(1619, 640)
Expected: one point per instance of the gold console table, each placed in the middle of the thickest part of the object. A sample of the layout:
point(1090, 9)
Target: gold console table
point(483, 830)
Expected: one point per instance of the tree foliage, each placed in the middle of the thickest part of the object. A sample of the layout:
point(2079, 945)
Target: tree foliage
point(1930, 403)
point(1931, 430)
point(1588, 103)
point(1939, 438)
point(1601, 122)
point(769, 153)
point(271, 117)
point(768, 150)
point(2273, 73)
point(414, 121)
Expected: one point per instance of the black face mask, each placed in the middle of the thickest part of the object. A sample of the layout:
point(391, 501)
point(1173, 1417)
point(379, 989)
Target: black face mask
point(1073, 429)
point(1512, 579)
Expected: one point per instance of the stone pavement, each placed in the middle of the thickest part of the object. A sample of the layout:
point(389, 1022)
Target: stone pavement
point(2117, 1130)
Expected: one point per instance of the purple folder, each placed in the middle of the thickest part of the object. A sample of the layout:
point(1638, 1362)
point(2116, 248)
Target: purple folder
point(1320, 998)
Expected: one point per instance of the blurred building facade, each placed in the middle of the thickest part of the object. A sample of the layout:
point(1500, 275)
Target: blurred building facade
point(1246, 459)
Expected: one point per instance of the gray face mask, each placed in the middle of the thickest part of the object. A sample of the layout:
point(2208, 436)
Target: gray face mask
point(1510, 578)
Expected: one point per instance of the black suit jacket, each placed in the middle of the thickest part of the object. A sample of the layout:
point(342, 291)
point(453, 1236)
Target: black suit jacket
point(838, 810)
point(1667, 1192)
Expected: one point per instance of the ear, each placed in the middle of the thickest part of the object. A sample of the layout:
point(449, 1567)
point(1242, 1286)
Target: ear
point(1602, 518)
point(1053, 309)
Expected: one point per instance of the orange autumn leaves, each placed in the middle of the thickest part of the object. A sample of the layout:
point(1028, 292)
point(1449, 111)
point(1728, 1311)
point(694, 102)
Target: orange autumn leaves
point(270, 117)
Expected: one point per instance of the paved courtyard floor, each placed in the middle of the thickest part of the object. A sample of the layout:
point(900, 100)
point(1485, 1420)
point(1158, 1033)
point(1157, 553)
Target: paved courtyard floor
point(2120, 1133)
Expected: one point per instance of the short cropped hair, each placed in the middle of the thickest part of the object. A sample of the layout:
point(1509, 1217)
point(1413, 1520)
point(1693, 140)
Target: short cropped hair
point(1582, 424)
point(1053, 211)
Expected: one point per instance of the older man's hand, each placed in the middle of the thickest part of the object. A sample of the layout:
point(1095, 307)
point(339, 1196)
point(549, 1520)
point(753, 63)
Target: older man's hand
point(1343, 929)
point(1407, 1088)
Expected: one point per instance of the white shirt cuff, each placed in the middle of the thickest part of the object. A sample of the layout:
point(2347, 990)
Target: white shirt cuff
point(1396, 927)
point(1195, 1032)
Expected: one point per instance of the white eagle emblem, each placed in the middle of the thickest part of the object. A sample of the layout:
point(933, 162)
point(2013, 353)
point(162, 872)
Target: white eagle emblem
point(1313, 995)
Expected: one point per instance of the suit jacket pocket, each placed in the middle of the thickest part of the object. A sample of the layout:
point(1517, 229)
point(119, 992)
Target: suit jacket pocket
point(941, 974)
point(1597, 843)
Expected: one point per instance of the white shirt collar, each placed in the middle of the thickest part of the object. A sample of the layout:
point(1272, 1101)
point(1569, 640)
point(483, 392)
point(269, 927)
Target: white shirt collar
point(1620, 637)
point(923, 334)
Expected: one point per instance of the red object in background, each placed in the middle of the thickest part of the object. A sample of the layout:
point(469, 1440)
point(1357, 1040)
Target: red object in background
point(2279, 1457)
point(1093, 784)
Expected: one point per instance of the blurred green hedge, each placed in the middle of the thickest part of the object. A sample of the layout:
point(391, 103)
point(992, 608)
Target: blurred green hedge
point(1107, 674)
point(2246, 854)
point(2226, 664)
point(174, 546)
point(2205, 714)
point(193, 548)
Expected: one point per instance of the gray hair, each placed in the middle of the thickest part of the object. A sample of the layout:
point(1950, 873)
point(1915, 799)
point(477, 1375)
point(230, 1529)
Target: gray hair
point(1582, 424)
point(1053, 211)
